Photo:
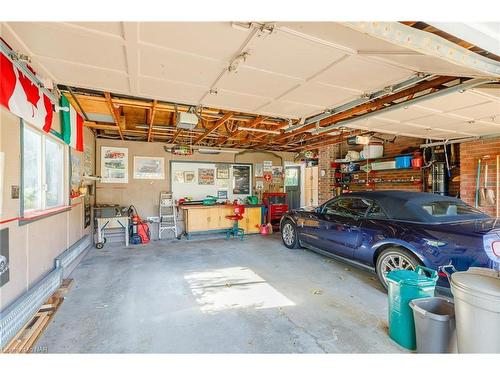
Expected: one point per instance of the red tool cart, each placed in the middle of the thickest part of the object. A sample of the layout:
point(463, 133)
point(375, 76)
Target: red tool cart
point(276, 206)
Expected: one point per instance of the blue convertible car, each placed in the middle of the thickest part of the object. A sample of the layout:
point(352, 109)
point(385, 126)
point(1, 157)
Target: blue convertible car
point(387, 230)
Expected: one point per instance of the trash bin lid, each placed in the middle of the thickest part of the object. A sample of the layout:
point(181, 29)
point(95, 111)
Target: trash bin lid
point(412, 278)
point(477, 280)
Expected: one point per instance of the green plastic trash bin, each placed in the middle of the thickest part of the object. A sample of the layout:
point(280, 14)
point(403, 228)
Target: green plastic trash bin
point(405, 286)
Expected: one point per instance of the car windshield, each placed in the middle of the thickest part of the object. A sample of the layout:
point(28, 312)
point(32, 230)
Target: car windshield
point(450, 209)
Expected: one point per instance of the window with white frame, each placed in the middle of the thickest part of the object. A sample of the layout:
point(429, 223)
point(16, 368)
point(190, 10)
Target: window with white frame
point(43, 171)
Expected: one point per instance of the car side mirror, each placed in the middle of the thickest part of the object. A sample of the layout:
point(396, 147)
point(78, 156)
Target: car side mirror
point(318, 209)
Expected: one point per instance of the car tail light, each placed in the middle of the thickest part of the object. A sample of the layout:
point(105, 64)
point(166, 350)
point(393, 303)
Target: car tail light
point(491, 243)
point(495, 247)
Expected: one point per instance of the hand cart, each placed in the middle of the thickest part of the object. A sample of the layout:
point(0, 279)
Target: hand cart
point(110, 221)
point(105, 224)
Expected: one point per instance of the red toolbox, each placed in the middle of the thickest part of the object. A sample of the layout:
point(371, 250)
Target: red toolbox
point(276, 206)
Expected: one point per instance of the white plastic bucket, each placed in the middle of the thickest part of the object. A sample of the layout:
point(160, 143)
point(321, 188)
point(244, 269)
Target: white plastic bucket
point(477, 310)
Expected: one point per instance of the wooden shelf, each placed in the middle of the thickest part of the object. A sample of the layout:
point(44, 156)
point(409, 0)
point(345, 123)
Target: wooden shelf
point(372, 160)
point(383, 170)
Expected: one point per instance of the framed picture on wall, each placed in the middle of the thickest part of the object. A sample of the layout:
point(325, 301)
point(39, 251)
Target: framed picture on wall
point(149, 168)
point(259, 170)
point(206, 176)
point(114, 165)
point(189, 177)
point(222, 194)
point(241, 179)
point(178, 176)
point(223, 173)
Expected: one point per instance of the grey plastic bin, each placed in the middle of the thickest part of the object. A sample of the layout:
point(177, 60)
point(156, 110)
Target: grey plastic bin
point(434, 325)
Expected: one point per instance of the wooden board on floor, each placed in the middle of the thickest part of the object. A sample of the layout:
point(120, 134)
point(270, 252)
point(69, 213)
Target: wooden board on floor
point(24, 341)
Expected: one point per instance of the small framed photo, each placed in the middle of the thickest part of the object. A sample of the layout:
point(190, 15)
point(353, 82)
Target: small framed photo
point(189, 177)
point(222, 194)
point(222, 173)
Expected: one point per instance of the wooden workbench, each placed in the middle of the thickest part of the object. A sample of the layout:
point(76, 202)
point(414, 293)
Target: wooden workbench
point(207, 219)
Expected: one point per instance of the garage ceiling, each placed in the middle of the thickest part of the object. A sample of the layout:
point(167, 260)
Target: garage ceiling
point(472, 113)
point(285, 70)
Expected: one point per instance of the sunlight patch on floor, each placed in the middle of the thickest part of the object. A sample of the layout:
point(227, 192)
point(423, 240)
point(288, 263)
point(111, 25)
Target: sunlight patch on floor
point(233, 288)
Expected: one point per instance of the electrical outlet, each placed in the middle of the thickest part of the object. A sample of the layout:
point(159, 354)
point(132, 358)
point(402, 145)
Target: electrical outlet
point(153, 219)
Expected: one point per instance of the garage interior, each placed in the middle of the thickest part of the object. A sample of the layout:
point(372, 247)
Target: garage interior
point(145, 167)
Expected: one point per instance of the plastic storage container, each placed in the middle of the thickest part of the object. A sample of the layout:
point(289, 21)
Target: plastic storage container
point(372, 151)
point(477, 310)
point(403, 161)
point(434, 325)
point(383, 165)
point(403, 287)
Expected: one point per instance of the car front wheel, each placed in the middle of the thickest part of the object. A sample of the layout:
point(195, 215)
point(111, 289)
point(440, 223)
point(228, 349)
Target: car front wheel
point(394, 259)
point(289, 235)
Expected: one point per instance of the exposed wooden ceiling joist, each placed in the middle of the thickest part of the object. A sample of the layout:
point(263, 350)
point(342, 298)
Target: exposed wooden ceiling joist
point(217, 125)
point(114, 113)
point(367, 106)
point(258, 120)
point(151, 119)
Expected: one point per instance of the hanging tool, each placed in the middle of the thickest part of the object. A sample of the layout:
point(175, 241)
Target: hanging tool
point(489, 193)
point(476, 201)
point(447, 162)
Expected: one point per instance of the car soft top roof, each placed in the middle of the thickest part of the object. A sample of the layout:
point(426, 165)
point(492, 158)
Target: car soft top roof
point(407, 205)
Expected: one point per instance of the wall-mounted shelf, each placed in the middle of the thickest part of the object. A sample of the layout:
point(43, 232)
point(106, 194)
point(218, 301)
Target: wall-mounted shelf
point(371, 160)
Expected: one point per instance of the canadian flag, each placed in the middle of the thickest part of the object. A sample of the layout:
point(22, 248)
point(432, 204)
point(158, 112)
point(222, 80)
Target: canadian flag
point(22, 97)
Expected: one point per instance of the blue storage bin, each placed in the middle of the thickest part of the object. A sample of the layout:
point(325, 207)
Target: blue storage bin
point(403, 161)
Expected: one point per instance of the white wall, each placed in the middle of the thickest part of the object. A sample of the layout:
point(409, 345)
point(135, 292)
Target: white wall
point(196, 191)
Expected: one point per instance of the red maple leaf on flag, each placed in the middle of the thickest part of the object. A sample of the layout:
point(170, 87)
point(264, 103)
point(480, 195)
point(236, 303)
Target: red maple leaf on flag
point(30, 90)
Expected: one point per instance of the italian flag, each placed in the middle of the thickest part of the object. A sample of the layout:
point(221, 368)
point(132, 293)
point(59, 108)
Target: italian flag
point(72, 125)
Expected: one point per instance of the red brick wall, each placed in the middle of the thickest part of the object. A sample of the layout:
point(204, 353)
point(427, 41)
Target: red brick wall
point(326, 155)
point(470, 153)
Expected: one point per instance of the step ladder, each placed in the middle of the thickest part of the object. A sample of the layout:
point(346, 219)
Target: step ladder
point(167, 214)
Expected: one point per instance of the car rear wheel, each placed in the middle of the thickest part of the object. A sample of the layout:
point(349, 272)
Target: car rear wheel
point(289, 235)
point(394, 259)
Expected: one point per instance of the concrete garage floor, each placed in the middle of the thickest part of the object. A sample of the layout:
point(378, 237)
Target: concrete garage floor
point(219, 296)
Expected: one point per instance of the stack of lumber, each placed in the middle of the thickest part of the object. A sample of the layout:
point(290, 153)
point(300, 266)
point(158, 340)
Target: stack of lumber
point(25, 340)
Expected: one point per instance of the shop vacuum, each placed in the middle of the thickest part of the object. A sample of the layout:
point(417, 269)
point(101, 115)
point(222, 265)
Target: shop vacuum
point(139, 231)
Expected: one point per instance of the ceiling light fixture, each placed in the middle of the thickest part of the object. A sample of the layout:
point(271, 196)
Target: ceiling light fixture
point(216, 151)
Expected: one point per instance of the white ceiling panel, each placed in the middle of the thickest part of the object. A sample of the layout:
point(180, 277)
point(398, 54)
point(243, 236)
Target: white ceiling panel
point(217, 40)
point(257, 82)
point(88, 76)
point(369, 75)
point(289, 109)
point(426, 64)
point(235, 101)
point(453, 101)
point(342, 36)
point(319, 94)
point(289, 55)
point(478, 111)
point(486, 130)
point(169, 90)
point(64, 43)
point(435, 120)
point(410, 113)
point(110, 28)
point(170, 65)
